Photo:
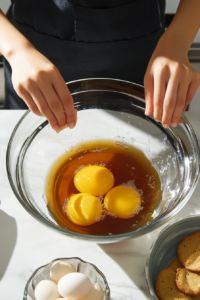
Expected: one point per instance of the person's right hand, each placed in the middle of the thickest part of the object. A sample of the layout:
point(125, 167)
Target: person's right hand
point(39, 83)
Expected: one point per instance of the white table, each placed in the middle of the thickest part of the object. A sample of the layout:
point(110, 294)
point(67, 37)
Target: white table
point(25, 244)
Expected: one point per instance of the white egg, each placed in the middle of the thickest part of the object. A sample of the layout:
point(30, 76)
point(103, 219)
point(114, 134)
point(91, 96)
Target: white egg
point(60, 269)
point(46, 290)
point(96, 293)
point(74, 285)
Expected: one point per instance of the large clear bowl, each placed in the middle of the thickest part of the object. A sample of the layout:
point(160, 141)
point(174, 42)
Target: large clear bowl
point(107, 109)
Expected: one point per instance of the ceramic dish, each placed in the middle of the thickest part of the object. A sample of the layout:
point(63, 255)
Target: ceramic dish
point(164, 249)
point(90, 270)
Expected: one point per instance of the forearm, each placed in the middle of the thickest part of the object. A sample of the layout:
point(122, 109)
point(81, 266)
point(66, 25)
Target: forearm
point(185, 24)
point(11, 40)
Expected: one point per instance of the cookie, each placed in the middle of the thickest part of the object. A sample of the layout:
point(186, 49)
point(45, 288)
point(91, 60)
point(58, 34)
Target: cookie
point(175, 264)
point(197, 247)
point(193, 262)
point(197, 297)
point(188, 282)
point(166, 288)
point(189, 252)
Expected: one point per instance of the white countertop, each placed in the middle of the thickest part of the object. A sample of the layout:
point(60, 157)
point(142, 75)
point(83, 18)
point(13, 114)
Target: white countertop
point(25, 244)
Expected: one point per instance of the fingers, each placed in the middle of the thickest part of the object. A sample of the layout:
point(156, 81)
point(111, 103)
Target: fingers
point(66, 100)
point(43, 106)
point(169, 101)
point(194, 85)
point(54, 103)
point(180, 103)
point(160, 81)
point(149, 91)
point(52, 100)
point(28, 100)
point(171, 92)
point(185, 93)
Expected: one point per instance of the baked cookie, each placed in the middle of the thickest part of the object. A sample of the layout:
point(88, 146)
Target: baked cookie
point(189, 252)
point(175, 264)
point(197, 247)
point(197, 297)
point(188, 282)
point(166, 288)
point(193, 263)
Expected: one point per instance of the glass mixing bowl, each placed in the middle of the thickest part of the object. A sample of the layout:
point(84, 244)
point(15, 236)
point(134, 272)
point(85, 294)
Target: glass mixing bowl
point(107, 109)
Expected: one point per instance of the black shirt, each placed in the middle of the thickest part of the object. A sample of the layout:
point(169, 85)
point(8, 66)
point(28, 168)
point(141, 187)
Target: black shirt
point(63, 18)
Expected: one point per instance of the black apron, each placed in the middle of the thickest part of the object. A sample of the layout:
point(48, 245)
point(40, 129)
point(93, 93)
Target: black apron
point(88, 39)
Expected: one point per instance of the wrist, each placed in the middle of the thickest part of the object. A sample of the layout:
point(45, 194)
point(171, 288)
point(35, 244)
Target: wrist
point(11, 40)
point(20, 51)
point(170, 44)
point(176, 38)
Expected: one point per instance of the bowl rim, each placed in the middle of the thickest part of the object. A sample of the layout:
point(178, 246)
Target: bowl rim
point(65, 258)
point(104, 238)
point(153, 246)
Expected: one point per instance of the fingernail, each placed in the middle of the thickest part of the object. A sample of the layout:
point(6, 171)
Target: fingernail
point(174, 124)
point(56, 128)
point(64, 126)
point(71, 124)
point(166, 125)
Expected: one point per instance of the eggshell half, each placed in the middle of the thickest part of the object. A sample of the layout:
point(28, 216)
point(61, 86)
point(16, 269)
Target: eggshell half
point(60, 269)
point(46, 290)
point(74, 285)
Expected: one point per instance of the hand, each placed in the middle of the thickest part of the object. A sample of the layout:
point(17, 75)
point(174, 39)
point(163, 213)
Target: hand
point(39, 83)
point(170, 83)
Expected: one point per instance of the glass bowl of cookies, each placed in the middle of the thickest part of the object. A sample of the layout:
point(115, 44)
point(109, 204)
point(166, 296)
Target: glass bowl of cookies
point(173, 264)
point(117, 175)
point(67, 278)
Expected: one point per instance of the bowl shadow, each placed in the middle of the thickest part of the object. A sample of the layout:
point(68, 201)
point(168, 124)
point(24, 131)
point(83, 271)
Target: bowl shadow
point(8, 237)
point(131, 256)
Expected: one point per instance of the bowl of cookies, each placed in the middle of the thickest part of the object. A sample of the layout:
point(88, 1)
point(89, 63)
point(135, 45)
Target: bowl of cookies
point(173, 264)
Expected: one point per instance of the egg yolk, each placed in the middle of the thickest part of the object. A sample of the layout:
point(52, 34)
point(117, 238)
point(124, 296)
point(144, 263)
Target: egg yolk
point(123, 202)
point(84, 209)
point(94, 180)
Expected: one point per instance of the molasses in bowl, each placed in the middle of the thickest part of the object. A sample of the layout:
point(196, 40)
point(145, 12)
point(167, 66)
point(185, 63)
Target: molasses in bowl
point(128, 150)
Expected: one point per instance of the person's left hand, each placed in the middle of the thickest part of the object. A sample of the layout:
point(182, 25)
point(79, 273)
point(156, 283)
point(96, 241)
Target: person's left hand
point(170, 83)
